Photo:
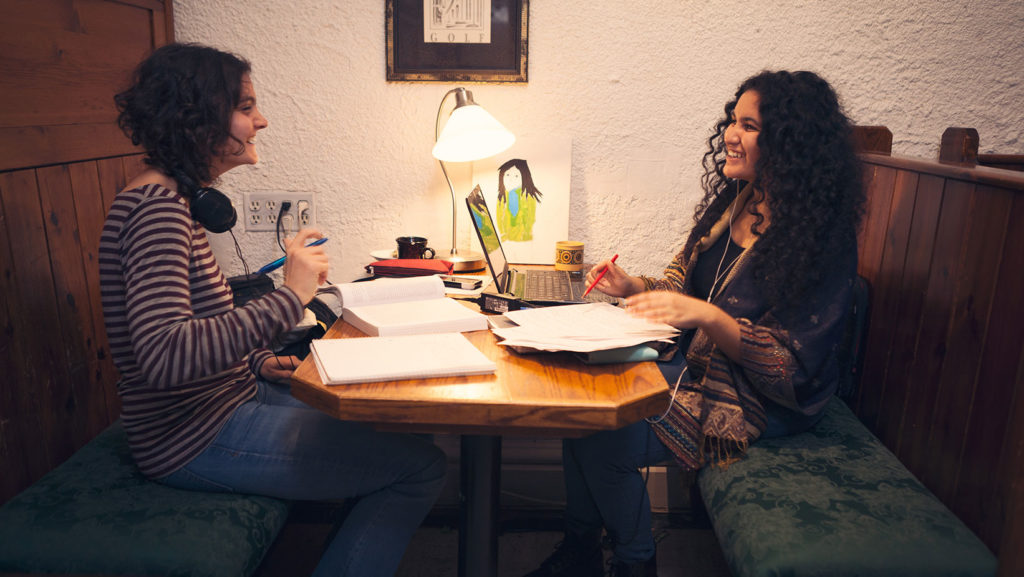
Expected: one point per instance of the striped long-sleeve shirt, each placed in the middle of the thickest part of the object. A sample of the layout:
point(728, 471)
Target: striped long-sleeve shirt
point(187, 357)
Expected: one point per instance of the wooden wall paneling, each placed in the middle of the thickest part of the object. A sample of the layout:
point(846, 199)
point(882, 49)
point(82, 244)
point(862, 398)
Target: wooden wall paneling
point(986, 439)
point(133, 166)
point(910, 304)
point(14, 443)
point(914, 448)
point(39, 146)
point(74, 398)
point(111, 179)
point(1011, 554)
point(90, 212)
point(885, 297)
point(61, 61)
point(35, 327)
point(878, 181)
point(975, 285)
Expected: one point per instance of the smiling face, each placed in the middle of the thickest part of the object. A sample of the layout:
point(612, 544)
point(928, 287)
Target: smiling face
point(741, 148)
point(246, 121)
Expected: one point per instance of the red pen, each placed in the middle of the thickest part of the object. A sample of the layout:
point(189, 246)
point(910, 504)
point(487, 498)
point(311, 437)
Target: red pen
point(598, 279)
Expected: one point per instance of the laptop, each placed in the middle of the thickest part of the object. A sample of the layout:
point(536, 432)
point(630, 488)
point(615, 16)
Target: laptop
point(544, 286)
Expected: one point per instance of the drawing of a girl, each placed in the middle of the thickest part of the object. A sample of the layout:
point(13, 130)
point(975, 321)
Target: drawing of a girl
point(517, 201)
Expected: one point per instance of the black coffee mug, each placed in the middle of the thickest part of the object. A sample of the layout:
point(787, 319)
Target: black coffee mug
point(413, 247)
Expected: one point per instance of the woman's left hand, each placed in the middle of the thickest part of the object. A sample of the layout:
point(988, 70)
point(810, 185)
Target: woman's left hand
point(279, 369)
point(685, 312)
point(672, 308)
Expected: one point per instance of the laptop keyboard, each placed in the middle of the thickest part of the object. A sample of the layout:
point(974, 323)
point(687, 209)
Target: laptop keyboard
point(548, 285)
point(595, 296)
point(556, 286)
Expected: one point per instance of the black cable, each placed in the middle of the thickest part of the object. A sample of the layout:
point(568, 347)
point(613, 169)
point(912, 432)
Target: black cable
point(238, 251)
point(285, 206)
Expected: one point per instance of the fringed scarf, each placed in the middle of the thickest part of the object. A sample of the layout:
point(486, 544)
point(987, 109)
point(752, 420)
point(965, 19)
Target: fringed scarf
point(715, 414)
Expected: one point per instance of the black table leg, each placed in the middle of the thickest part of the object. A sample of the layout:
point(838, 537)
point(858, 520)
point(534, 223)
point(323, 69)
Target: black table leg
point(479, 501)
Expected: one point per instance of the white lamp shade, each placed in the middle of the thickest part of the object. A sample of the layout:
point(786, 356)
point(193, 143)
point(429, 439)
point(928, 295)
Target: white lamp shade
point(471, 134)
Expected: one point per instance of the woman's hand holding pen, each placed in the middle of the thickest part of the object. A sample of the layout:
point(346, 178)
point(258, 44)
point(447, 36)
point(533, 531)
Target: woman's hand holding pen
point(305, 267)
point(616, 282)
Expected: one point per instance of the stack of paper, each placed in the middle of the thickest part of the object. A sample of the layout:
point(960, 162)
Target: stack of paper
point(580, 328)
point(363, 360)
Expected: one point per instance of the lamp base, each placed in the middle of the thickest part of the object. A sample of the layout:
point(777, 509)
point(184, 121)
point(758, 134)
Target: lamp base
point(464, 261)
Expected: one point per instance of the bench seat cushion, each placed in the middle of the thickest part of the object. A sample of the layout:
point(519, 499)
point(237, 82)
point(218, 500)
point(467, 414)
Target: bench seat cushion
point(97, 514)
point(834, 501)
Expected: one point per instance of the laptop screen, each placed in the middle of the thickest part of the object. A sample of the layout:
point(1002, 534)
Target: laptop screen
point(488, 235)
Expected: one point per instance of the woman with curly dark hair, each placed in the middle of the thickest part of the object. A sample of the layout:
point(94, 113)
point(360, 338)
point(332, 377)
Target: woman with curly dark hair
point(205, 403)
point(761, 290)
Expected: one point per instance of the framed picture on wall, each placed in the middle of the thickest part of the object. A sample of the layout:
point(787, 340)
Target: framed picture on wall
point(456, 40)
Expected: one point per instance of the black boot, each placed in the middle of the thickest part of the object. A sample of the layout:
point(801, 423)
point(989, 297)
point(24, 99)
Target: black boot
point(648, 568)
point(574, 557)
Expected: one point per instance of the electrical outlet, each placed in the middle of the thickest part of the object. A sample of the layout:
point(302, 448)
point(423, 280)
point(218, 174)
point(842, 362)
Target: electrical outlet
point(261, 211)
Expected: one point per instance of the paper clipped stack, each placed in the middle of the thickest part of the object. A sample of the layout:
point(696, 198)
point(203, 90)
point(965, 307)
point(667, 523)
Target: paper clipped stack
point(580, 328)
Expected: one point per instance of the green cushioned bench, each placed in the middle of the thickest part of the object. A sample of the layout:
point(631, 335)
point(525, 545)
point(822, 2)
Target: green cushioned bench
point(96, 514)
point(833, 501)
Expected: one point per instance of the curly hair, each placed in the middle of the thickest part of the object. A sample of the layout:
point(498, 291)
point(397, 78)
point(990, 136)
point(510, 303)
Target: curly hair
point(179, 108)
point(808, 174)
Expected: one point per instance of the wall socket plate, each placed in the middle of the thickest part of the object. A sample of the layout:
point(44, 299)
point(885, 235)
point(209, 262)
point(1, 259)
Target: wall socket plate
point(260, 211)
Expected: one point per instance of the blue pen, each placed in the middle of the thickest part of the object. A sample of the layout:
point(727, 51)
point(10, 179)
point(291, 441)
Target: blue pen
point(277, 263)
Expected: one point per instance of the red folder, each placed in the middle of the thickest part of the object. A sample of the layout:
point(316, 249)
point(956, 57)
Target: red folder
point(402, 267)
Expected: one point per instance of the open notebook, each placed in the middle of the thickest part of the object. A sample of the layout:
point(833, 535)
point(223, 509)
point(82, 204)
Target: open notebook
point(535, 286)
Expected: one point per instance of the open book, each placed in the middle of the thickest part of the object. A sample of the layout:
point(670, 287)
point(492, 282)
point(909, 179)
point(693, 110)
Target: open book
point(405, 306)
point(363, 360)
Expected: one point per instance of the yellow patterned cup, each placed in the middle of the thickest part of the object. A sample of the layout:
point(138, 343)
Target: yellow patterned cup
point(568, 255)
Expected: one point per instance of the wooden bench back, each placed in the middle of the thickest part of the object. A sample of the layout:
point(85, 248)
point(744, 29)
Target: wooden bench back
point(876, 139)
point(943, 250)
point(961, 145)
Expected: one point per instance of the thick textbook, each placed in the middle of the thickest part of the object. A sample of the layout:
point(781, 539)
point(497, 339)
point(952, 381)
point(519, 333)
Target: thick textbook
point(370, 359)
point(406, 306)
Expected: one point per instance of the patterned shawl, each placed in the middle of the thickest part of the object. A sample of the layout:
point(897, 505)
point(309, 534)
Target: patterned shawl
point(788, 359)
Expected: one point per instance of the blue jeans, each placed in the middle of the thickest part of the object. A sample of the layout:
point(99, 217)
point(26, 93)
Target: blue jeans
point(277, 446)
point(605, 488)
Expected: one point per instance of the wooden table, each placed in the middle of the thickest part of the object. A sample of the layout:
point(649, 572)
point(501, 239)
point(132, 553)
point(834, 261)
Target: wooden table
point(539, 395)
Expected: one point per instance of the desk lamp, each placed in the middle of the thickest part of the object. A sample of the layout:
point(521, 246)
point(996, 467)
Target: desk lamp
point(471, 133)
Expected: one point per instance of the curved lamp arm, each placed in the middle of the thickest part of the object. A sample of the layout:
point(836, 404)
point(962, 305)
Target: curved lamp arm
point(470, 134)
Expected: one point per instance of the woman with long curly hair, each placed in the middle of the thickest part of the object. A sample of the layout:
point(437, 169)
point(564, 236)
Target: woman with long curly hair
point(205, 403)
point(761, 290)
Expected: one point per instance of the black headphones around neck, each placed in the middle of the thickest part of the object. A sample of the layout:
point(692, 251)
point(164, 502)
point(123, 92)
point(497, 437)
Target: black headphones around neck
point(212, 209)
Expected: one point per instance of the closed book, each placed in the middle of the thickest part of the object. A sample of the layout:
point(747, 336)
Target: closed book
point(408, 306)
point(371, 359)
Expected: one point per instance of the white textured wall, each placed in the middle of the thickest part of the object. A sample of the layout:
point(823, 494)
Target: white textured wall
point(636, 86)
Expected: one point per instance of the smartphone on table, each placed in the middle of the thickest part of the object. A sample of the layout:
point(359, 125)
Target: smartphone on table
point(461, 282)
